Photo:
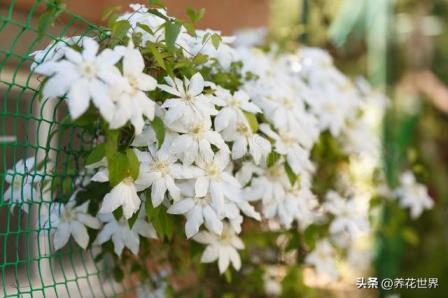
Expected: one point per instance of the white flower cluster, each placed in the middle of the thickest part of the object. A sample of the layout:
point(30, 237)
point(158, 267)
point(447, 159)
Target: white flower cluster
point(223, 149)
point(413, 195)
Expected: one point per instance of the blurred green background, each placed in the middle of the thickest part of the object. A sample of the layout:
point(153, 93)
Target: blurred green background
point(402, 48)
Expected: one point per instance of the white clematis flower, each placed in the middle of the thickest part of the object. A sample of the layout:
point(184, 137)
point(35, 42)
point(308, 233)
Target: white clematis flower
point(286, 143)
point(70, 220)
point(225, 54)
point(232, 109)
point(141, 15)
point(84, 77)
point(308, 211)
point(123, 194)
point(284, 208)
point(159, 170)
point(222, 248)
point(122, 235)
point(413, 195)
point(269, 184)
point(348, 216)
point(22, 179)
point(323, 259)
point(216, 181)
point(190, 103)
point(55, 50)
point(245, 140)
point(198, 211)
point(132, 102)
point(195, 142)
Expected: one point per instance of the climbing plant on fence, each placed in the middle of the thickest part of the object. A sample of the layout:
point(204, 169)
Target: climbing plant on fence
point(38, 130)
point(135, 154)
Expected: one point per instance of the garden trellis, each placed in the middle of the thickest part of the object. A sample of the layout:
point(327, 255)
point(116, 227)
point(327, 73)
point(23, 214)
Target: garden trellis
point(31, 127)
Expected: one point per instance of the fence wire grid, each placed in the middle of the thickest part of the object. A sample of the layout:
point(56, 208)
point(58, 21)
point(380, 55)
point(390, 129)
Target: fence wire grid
point(32, 127)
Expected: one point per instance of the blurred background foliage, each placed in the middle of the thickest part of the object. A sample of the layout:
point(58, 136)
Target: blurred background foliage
point(402, 48)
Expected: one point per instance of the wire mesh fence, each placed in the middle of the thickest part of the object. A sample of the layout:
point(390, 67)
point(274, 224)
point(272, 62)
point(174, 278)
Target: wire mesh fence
point(32, 127)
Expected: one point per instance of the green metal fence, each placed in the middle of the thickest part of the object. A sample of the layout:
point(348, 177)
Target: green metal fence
point(35, 127)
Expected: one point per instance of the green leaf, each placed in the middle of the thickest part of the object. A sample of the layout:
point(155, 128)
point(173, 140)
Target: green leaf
point(157, 56)
point(162, 222)
point(96, 154)
point(87, 118)
point(311, 234)
point(293, 284)
point(190, 28)
point(118, 213)
point(205, 37)
point(111, 142)
point(118, 168)
point(54, 9)
point(125, 138)
point(410, 236)
point(165, 223)
point(253, 122)
point(272, 158)
point(172, 30)
point(133, 164)
point(133, 219)
point(200, 59)
point(294, 241)
point(228, 276)
point(216, 40)
point(145, 28)
point(195, 15)
point(111, 13)
point(151, 212)
point(291, 175)
point(159, 129)
point(120, 30)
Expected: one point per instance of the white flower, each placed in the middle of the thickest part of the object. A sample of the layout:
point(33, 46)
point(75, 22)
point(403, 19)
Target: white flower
point(22, 180)
point(198, 210)
point(196, 142)
point(359, 138)
point(158, 170)
point(287, 112)
point(323, 259)
point(348, 216)
point(232, 109)
point(83, 77)
point(331, 112)
point(190, 102)
point(55, 50)
point(307, 212)
point(286, 143)
point(141, 15)
point(250, 38)
point(132, 102)
point(242, 137)
point(70, 220)
point(122, 235)
point(217, 181)
point(123, 194)
point(225, 54)
point(283, 207)
point(222, 248)
point(413, 195)
point(269, 185)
